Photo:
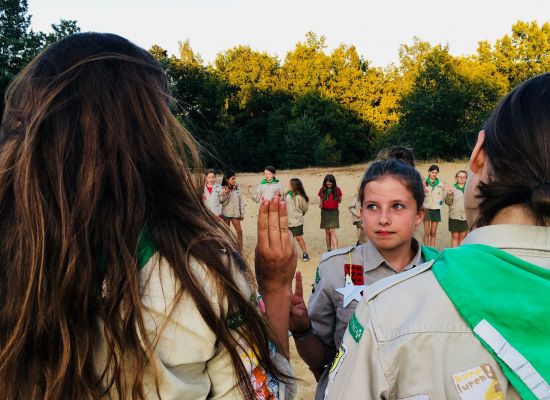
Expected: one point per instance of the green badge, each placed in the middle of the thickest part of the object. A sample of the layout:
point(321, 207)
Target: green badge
point(317, 277)
point(355, 328)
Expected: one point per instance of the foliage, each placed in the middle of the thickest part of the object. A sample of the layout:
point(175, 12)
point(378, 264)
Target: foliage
point(19, 44)
point(249, 109)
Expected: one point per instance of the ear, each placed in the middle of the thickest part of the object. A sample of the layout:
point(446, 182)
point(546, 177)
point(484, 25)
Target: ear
point(419, 217)
point(478, 157)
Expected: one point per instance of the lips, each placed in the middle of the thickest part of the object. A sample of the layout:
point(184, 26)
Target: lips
point(384, 233)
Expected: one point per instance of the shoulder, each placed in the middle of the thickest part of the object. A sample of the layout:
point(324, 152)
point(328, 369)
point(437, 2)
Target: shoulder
point(335, 253)
point(423, 305)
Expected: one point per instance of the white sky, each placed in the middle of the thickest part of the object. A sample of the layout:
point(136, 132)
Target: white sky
point(375, 28)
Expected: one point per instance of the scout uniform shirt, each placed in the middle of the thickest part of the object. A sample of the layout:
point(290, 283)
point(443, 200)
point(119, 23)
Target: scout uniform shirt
point(407, 340)
point(329, 318)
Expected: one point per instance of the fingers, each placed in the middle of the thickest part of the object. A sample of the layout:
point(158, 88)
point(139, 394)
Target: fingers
point(263, 221)
point(299, 289)
point(273, 227)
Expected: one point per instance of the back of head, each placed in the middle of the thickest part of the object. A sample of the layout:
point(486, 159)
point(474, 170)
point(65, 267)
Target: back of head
point(402, 153)
point(517, 145)
point(91, 159)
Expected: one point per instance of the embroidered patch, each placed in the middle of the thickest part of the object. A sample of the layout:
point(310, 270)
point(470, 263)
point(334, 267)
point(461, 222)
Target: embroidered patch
point(356, 272)
point(337, 362)
point(317, 276)
point(355, 328)
point(478, 383)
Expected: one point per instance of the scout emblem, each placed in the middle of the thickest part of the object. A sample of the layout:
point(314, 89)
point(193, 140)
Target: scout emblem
point(350, 291)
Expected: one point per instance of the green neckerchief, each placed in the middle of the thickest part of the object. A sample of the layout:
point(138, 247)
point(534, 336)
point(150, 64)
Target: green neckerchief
point(146, 249)
point(266, 182)
point(327, 193)
point(485, 283)
point(459, 188)
point(290, 194)
point(429, 183)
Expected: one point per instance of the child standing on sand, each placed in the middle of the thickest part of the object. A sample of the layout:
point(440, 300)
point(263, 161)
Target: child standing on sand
point(330, 197)
point(232, 204)
point(211, 193)
point(268, 188)
point(297, 205)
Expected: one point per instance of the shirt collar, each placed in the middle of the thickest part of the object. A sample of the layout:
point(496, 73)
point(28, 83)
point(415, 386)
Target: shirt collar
point(374, 259)
point(512, 238)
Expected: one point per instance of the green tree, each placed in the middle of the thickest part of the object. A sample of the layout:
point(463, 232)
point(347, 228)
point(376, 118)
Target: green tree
point(446, 106)
point(248, 71)
point(19, 44)
point(519, 56)
point(307, 67)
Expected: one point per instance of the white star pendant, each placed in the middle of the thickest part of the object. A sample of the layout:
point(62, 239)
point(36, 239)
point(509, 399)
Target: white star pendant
point(350, 291)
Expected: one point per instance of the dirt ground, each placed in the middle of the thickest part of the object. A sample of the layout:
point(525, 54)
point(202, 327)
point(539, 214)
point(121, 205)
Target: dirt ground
point(348, 179)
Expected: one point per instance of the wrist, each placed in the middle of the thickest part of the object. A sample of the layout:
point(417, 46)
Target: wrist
point(301, 335)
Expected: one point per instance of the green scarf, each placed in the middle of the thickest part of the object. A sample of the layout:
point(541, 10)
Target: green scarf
point(434, 185)
point(327, 193)
point(512, 295)
point(459, 188)
point(266, 182)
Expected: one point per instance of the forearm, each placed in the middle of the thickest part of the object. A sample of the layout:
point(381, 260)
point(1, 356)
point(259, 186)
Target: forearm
point(312, 351)
point(277, 311)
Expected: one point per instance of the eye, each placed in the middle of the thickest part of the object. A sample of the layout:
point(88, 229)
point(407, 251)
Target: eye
point(398, 206)
point(371, 206)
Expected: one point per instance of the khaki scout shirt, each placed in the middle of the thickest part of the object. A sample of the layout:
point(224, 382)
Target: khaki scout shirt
point(297, 207)
point(407, 341)
point(190, 361)
point(433, 199)
point(328, 318)
point(455, 201)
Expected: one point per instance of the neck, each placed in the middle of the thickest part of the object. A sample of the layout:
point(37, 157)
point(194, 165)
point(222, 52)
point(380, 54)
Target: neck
point(517, 214)
point(398, 258)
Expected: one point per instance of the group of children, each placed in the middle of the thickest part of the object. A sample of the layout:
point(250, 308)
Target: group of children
point(226, 202)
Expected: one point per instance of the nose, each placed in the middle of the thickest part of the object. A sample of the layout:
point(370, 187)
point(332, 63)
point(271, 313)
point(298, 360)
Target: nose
point(384, 217)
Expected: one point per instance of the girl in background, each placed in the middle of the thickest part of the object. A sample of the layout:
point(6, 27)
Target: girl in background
point(232, 204)
point(458, 226)
point(330, 197)
point(115, 281)
point(297, 205)
point(433, 190)
point(268, 188)
point(211, 193)
point(391, 195)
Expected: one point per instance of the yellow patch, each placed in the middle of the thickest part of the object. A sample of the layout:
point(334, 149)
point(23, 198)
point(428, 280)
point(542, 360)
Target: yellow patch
point(478, 383)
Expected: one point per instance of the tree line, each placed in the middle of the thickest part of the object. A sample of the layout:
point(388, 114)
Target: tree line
point(248, 109)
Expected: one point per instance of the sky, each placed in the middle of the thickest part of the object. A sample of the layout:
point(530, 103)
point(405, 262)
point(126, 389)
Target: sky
point(376, 28)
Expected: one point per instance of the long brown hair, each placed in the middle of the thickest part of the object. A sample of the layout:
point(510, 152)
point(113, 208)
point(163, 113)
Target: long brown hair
point(90, 159)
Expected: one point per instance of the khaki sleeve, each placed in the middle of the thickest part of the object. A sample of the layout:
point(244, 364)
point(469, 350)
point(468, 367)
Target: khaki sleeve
point(223, 196)
point(322, 310)
point(449, 199)
point(358, 370)
point(305, 205)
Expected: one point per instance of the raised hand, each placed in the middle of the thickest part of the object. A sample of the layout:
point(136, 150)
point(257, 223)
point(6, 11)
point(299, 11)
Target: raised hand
point(275, 251)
